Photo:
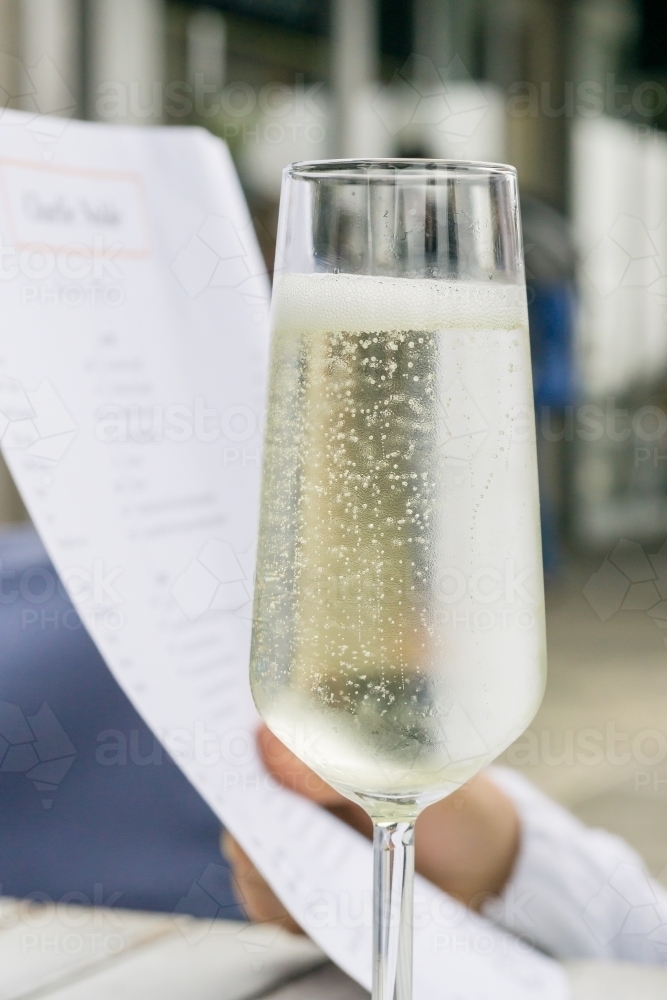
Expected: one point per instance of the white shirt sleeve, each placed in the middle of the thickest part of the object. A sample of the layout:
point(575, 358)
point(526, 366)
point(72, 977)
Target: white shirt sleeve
point(576, 892)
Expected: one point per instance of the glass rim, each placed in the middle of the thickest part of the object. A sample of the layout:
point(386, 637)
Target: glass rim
point(386, 167)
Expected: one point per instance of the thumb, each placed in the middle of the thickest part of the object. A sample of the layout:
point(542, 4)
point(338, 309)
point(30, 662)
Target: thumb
point(291, 772)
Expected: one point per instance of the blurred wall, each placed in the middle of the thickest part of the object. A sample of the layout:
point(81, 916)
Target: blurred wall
point(125, 61)
point(472, 79)
point(40, 48)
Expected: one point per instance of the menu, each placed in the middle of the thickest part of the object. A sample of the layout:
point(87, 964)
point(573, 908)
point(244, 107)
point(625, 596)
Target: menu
point(133, 359)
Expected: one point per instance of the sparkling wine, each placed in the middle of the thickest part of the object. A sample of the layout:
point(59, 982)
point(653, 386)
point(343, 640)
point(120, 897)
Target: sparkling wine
point(398, 632)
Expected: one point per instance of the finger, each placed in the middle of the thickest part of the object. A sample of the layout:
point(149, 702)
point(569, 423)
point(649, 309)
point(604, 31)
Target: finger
point(294, 774)
point(235, 854)
point(291, 772)
point(258, 900)
point(467, 843)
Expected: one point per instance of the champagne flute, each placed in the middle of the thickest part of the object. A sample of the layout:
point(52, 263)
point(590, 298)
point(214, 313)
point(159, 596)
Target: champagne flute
point(398, 630)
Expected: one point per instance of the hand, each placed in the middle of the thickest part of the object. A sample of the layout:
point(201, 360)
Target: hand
point(465, 844)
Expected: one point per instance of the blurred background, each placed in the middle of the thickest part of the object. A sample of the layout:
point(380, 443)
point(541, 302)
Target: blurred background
point(574, 94)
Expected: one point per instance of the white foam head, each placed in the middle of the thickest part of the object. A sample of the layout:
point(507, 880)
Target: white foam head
point(306, 303)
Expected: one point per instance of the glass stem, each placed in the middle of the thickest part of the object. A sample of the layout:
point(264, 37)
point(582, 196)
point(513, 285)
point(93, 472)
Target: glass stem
point(393, 890)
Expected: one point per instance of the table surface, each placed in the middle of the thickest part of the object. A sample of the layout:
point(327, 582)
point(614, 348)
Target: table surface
point(75, 953)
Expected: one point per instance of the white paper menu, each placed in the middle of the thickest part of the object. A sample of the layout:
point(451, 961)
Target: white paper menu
point(133, 355)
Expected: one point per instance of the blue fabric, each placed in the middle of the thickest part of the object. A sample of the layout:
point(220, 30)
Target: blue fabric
point(551, 316)
point(88, 814)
